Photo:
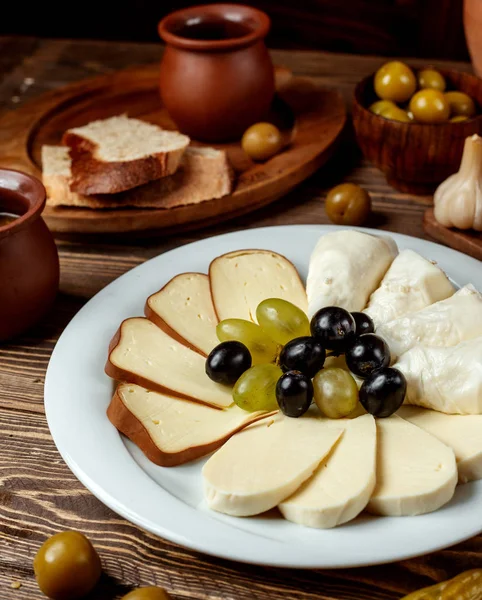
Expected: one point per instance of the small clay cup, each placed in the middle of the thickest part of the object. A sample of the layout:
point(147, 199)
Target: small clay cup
point(29, 263)
point(216, 76)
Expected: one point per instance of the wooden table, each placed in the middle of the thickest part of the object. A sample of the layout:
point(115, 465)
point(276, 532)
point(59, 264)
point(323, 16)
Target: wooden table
point(39, 495)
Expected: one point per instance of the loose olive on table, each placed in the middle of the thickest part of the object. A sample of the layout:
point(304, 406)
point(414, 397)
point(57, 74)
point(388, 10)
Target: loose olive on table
point(460, 104)
point(147, 593)
point(431, 79)
point(262, 141)
point(430, 106)
point(348, 204)
point(67, 566)
point(395, 81)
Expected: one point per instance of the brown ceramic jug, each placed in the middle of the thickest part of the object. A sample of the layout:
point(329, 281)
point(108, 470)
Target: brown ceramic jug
point(29, 263)
point(216, 77)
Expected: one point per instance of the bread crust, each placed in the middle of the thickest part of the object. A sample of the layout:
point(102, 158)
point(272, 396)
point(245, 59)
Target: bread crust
point(91, 176)
point(185, 186)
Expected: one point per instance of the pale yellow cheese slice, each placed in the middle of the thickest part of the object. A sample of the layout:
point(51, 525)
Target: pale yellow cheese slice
point(184, 309)
point(342, 485)
point(172, 431)
point(265, 463)
point(416, 473)
point(144, 354)
point(241, 280)
point(462, 433)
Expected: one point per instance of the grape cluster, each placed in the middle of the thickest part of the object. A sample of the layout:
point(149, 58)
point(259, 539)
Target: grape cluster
point(280, 362)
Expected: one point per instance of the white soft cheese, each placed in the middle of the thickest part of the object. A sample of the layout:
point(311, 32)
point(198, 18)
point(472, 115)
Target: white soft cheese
point(445, 379)
point(410, 284)
point(445, 323)
point(462, 433)
point(416, 473)
point(342, 485)
point(345, 268)
point(145, 351)
point(262, 465)
point(241, 280)
point(185, 305)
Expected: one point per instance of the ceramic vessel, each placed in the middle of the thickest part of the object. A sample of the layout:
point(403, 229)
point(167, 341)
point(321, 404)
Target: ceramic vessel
point(473, 31)
point(216, 75)
point(29, 263)
point(415, 157)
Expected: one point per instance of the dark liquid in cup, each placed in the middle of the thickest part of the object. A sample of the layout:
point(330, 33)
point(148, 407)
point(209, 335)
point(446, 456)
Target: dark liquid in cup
point(212, 29)
point(7, 218)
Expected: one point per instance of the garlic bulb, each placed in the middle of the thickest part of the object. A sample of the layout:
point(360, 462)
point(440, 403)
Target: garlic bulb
point(458, 200)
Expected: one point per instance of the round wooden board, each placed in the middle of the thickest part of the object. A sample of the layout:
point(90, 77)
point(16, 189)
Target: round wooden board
point(319, 117)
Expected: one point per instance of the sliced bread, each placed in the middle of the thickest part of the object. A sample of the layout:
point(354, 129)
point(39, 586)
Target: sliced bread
point(204, 174)
point(118, 154)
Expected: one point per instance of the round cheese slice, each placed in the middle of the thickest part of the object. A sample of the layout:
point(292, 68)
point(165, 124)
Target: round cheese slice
point(265, 463)
point(462, 433)
point(416, 473)
point(342, 485)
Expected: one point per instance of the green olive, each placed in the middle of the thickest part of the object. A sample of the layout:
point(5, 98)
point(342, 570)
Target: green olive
point(431, 79)
point(147, 593)
point(67, 566)
point(460, 104)
point(380, 105)
point(348, 204)
point(459, 119)
point(395, 81)
point(262, 141)
point(396, 113)
point(430, 106)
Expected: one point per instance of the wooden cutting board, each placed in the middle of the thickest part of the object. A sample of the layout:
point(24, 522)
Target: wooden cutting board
point(469, 242)
point(311, 118)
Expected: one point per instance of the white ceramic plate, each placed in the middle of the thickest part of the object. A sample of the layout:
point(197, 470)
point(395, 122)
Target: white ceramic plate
point(168, 501)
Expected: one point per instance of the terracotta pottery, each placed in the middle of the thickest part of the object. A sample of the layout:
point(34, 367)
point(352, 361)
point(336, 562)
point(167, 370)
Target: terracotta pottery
point(415, 157)
point(473, 32)
point(29, 263)
point(216, 77)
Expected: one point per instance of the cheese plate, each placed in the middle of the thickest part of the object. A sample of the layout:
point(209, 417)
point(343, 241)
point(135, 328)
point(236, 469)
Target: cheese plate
point(169, 501)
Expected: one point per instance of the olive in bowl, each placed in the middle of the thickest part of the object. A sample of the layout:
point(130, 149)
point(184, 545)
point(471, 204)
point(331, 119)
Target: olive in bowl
point(415, 156)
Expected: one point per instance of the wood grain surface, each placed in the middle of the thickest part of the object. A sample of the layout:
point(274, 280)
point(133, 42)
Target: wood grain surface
point(469, 242)
point(310, 117)
point(38, 494)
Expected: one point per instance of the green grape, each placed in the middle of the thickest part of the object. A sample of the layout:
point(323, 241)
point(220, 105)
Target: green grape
point(262, 348)
point(335, 392)
point(256, 388)
point(281, 320)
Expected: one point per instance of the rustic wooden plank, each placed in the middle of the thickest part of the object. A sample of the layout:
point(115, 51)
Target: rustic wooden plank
point(39, 495)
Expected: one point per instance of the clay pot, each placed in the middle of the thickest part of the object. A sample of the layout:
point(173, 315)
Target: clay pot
point(473, 30)
point(29, 263)
point(216, 77)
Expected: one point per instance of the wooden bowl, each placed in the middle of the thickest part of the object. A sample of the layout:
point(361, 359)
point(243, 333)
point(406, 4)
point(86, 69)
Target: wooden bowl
point(415, 157)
